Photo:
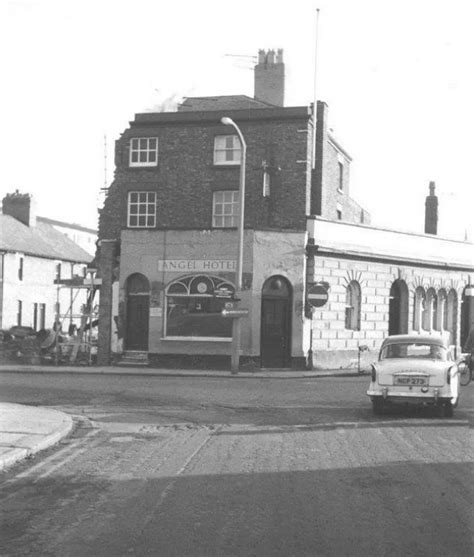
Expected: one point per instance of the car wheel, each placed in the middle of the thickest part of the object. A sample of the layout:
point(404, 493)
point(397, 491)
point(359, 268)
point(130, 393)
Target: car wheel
point(378, 406)
point(447, 410)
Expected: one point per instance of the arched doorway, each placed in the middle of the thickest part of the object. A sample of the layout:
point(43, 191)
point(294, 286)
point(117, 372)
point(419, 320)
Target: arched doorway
point(138, 312)
point(467, 312)
point(275, 338)
point(398, 308)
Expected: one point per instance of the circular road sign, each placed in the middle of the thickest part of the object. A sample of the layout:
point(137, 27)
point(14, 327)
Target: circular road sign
point(318, 295)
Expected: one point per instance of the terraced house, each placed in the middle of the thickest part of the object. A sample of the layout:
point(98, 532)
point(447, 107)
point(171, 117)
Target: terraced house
point(168, 242)
point(33, 255)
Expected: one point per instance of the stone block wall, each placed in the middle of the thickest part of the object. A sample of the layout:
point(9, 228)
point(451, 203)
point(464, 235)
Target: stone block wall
point(335, 346)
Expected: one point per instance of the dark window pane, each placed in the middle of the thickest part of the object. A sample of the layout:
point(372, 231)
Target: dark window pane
point(197, 317)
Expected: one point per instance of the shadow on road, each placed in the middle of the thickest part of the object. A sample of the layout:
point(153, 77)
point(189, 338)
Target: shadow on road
point(410, 508)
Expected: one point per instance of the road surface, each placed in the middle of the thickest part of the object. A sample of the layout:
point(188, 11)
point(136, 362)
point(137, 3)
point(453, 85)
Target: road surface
point(230, 466)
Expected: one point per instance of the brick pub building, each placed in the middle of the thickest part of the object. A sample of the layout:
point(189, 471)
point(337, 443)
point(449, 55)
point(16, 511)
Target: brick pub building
point(168, 242)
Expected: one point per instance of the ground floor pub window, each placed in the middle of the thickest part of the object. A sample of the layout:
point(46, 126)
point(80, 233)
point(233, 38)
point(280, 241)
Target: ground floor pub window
point(194, 305)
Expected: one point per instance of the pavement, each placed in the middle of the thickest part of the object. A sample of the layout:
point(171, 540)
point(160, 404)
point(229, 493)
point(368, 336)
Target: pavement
point(26, 430)
point(144, 370)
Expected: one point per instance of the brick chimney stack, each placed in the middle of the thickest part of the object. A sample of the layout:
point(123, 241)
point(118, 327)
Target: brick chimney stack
point(431, 211)
point(20, 206)
point(270, 77)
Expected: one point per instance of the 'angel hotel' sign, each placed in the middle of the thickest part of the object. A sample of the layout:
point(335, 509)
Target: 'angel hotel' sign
point(196, 265)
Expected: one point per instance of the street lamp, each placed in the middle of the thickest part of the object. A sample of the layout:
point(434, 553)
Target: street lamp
point(235, 355)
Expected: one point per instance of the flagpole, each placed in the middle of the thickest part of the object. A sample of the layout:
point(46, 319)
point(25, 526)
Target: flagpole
point(315, 100)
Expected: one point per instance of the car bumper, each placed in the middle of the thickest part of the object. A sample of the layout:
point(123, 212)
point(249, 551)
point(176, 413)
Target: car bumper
point(433, 396)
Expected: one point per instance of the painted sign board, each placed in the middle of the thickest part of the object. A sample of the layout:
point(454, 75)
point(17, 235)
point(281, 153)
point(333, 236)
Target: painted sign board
point(223, 292)
point(199, 265)
point(318, 295)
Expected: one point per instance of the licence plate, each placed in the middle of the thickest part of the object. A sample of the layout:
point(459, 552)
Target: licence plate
point(410, 380)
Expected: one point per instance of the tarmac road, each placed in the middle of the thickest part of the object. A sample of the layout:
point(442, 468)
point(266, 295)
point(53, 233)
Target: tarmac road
point(295, 471)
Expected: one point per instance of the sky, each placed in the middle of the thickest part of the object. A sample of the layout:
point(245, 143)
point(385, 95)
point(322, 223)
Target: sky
point(397, 77)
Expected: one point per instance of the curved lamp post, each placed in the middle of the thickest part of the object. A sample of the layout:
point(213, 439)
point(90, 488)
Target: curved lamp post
point(235, 356)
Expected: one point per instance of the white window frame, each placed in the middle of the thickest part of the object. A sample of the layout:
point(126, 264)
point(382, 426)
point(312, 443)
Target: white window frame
point(225, 208)
point(143, 204)
point(227, 150)
point(140, 146)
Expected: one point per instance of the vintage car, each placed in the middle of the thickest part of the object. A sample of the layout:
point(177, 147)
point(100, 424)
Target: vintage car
point(414, 369)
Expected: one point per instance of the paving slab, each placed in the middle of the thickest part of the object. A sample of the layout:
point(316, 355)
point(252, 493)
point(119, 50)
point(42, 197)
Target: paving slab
point(26, 430)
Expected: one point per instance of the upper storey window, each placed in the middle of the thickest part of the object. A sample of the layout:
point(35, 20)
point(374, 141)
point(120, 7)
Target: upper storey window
point(141, 209)
point(226, 149)
point(144, 151)
point(225, 209)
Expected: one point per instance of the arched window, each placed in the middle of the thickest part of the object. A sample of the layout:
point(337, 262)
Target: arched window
point(353, 305)
point(452, 315)
point(431, 310)
point(442, 318)
point(418, 308)
point(194, 305)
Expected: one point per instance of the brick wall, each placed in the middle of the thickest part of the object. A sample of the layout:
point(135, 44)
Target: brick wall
point(186, 177)
point(328, 197)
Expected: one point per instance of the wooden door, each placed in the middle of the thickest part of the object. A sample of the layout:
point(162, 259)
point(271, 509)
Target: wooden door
point(275, 340)
point(138, 314)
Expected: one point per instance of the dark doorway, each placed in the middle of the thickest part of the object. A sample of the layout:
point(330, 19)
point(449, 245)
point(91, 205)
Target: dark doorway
point(275, 339)
point(467, 315)
point(398, 308)
point(138, 312)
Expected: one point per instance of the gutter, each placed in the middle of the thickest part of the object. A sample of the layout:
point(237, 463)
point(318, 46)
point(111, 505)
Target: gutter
point(316, 250)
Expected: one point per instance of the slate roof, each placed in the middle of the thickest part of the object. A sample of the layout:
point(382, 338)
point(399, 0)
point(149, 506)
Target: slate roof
point(42, 240)
point(221, 102)
point(72, 226)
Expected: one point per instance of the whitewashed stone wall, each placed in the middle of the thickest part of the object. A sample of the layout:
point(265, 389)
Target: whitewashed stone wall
point(335, 346)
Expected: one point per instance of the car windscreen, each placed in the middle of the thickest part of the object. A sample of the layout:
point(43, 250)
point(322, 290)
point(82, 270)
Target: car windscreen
point(414, 350)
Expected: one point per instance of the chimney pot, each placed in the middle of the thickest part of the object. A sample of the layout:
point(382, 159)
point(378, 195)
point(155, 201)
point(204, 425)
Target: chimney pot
point(431, 211)
point(21, 207)
point(269, 85)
